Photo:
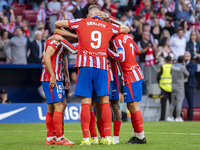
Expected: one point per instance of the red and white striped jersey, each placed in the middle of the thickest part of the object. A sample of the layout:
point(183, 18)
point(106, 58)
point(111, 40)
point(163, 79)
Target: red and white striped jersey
point(94, 36)
point(41, 15)
point(126, 49)
point(57, 61)
point(8, 27)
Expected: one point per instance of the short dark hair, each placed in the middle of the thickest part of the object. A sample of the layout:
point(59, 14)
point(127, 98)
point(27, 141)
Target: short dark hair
point(19, 28)
point(179, 29)
point(181, 59)
point(168, 59)
point(2, 32)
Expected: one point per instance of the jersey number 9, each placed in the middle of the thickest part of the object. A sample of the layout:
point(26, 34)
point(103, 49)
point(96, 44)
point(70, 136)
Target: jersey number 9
point(95, 39)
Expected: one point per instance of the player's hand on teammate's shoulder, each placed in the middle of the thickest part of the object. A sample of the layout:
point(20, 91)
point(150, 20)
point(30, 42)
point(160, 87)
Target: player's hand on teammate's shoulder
point(56, 37)
point(53, 82)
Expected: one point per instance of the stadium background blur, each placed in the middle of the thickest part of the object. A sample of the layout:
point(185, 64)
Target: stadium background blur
point(153, 26)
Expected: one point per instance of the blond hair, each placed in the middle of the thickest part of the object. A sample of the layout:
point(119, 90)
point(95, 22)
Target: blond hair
point(94, 6)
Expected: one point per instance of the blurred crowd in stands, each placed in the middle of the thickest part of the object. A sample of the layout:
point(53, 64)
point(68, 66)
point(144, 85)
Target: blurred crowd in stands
point(160, 27)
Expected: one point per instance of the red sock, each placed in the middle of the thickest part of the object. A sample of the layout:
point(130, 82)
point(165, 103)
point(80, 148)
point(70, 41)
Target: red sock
point(63, 128)
point(102, 130)
point(117, 125)
point(49, 124)
point(99, 126)
point(93, 131)
point(137, 121)
point(85, 120)
point(57, 121)
point(106, 117)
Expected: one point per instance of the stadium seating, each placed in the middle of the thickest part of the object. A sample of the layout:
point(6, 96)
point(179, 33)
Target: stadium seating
point(19, 8)
point(31, 16)
point(196, 114)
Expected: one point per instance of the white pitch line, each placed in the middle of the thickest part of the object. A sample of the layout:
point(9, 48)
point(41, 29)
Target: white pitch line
point(161, 133)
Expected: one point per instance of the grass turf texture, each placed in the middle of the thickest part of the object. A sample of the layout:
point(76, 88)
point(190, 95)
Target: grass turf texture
point(159, 135)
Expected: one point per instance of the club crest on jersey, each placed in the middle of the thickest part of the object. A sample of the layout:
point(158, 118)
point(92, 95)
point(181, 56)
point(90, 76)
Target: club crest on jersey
point(60, 96)
point(54, 42)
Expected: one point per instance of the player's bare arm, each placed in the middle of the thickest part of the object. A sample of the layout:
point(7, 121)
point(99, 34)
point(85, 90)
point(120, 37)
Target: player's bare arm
point(61, 23)
point(67, 80)
point(47, 60)
point(64, 32)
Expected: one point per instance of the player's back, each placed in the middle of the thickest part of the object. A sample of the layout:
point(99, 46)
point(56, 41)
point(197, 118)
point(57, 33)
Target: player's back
point(57, 60)
point(94, 36)
point(130, 49)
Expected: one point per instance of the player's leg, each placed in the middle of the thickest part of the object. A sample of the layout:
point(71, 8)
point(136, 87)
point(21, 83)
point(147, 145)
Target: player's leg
point(49, 116)
point(85, 120)
point(101, 86)
point(117, 116)
point(114, 100)
point(59, 104)
point(84, 88)
point(132, 96)
point(51, 135)
point(93, 132)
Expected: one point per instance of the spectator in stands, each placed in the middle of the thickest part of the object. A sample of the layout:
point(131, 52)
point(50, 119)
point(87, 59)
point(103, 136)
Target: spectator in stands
point(25, 24)
point(190, 84)
point(156, 29)
point(165, 33)
point(147, 7)
point(164, 79)
point(71, 98)
point(18, 45)
point(144, 45)
point(123, 20)
point(37, 48)
point(169, 7)
point(75, 8)
point(2, 3)
point(5, 56)
point(184, 12)
point(6, 24)
point(113, 7)
point(54, 7)
point(178, 43)
point(134, 28)
point(179, 74)
point(64, 14)
point(4, 97)
point(129, 17)
point(168, 26)
point(163, 51)
point(186, 28)
point(41, 16)
point(45, 32)
point(193, 46)
point(162, 18)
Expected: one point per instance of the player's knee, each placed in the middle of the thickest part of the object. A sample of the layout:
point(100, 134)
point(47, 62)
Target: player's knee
point(60, 106)
point(133, 107)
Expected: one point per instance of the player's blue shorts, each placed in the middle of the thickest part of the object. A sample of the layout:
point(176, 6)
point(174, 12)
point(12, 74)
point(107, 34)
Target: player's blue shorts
point(133, 92)
point(90, 79)
point(114, 88)
point(54, 95)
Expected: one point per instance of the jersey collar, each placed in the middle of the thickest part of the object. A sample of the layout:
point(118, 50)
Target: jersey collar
point(96, 17)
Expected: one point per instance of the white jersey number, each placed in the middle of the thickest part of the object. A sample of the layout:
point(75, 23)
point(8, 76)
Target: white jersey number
point(131, 45)
point(97, 38)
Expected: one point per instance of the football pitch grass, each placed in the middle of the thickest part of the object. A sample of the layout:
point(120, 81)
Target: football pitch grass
point(159, 135)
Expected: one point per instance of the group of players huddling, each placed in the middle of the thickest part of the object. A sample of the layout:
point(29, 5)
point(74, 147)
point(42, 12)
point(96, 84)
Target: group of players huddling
point(104, 49)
